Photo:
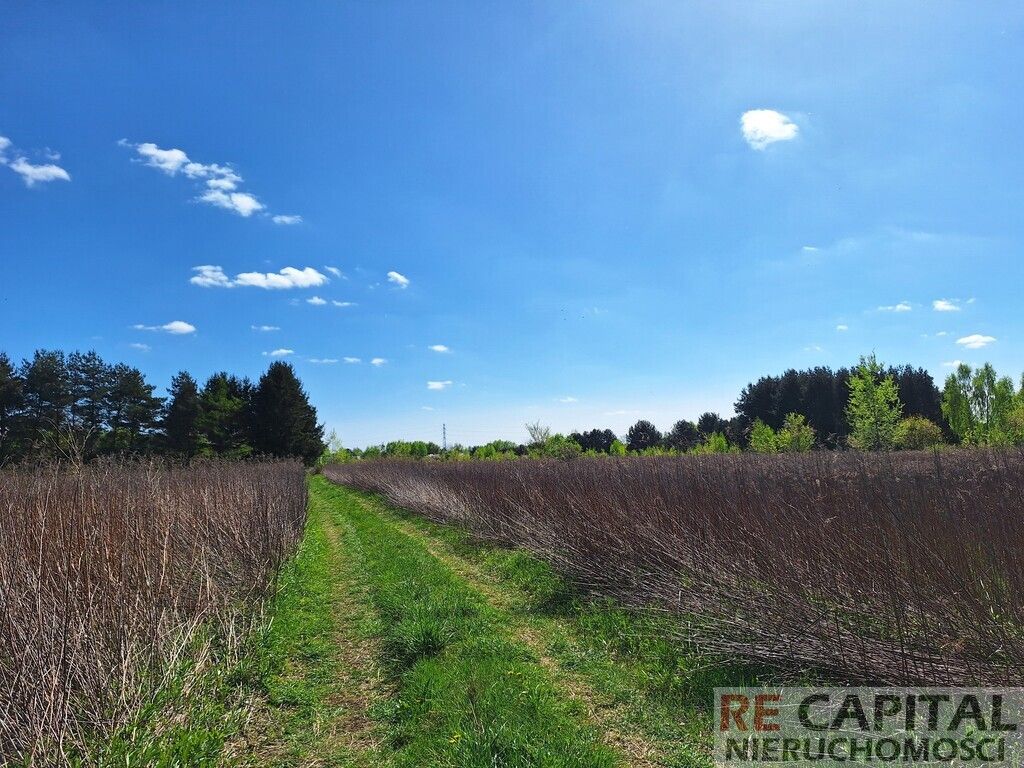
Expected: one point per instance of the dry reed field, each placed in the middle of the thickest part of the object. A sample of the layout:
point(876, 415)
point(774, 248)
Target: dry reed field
point(114, 576)
point(896, 568)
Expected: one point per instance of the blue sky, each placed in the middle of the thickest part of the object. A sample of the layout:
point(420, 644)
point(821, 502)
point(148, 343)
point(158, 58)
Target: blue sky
point(568, 193)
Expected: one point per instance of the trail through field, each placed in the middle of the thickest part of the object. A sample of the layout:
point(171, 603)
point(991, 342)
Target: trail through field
point(396, 643)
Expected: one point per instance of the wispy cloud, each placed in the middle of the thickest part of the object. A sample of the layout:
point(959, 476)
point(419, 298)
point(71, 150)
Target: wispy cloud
point(316, 301)
point(903, 306)
point(569, 399)
point(976, 341)
point(352, 360)
point(842, 328)
point(813, 348)
point(438, 385)
point(398, 279)
point(439, 348)
point(220, 182)
point(140, 346)
point(31, 173)
point(266, 328)
point(323, 360)
point(213, 276)
point(334, 271)
point(176, 327)
point(337, 303)
point(952, 363)
point(281, 352)
point(945, 305)
point(762, 127)
point(378, 361)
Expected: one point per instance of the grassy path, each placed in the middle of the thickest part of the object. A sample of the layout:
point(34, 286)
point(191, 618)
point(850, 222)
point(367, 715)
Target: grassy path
point(401, 643)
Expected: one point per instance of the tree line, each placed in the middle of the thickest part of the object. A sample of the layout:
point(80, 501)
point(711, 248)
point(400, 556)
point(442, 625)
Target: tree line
point(77, 407)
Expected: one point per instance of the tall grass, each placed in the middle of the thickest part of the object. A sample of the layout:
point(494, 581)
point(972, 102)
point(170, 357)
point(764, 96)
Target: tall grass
point(894, 568)
point(114, 577)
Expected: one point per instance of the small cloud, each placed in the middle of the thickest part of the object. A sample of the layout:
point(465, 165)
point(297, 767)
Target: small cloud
point(316, 301)
point(343, 303)
point(398, 279)
point(282, 352)
point(176, 327)
point(323, 360)
point(426, 408)
point(438, 385)
point(976, 341)
point(903, 306)
point(813, 348)
point(762, 127)
point(266, 328)
point(334, 271)
point(942, 333)
point(952, 363)
point(568, 400)
point(810, 249)
point(211, 276)
point(842, 328)
point(439, 348)
point(378, 361)
point(37, 174)
point(242, 203)
point(352, 360)
point(286, 220)
point(140, 346)
point(945, 305)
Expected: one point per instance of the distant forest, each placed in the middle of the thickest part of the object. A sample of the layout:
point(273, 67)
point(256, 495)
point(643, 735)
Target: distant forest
point(77, 407)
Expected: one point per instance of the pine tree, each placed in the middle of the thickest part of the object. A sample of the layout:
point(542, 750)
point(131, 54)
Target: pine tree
point(284, 421)
point(225, 415)
point(10, 405)
point(181, 417)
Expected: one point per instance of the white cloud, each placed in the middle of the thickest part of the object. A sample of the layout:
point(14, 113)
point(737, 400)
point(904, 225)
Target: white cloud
point(810, 249)
point(945, 305)
point(942, 333)
point(323, 360)
point(282, 352)
point(976, 341)
point(903, 306)
point(762, 127)
point(176, 327)
point(139, 346)
point(266, 328)
point(438, 385)
point(426, 408)
point(337, 303)
point(334, 271)
point(569, 399)
point(352, 360)
point(953, 363)
point(316, 301)
point(211, 276)
point(242, 203)
point(813, 348)
point(439, 348)
point(4, 144)
point(37, 174)
point(841, 327)
point(378, 361)
point(220, 181)
point(398, 279)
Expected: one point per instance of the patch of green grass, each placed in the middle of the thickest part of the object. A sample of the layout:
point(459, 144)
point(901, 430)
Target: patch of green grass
point(662, 684)
point(467, 694)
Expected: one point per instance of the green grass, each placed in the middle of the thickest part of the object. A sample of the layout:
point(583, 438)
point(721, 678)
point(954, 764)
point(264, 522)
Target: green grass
point(467, 693)
point(660, 686)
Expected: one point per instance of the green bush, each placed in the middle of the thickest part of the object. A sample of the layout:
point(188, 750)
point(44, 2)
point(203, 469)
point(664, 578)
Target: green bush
point(917, 433)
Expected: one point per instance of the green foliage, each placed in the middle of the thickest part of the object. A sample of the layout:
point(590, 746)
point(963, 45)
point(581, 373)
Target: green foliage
point(557, 447)
point(182, 435)
point(918, 433)
point(284, 422)
point(796, 435)
point(643, 435)
point(716, 442)
point(874, 407)
point(617, 448)
point(225, 416)
point(763, 438)
point(979, 406)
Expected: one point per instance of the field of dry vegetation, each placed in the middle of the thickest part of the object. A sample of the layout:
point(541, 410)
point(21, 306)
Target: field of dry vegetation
point(896, 568)
point(115, 577)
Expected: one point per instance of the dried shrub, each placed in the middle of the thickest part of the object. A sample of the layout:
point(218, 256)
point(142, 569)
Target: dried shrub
point(897, 568)
point(109, 575)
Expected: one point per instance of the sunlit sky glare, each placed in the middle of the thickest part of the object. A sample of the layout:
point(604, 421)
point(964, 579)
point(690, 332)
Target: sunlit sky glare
point(483, 214)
